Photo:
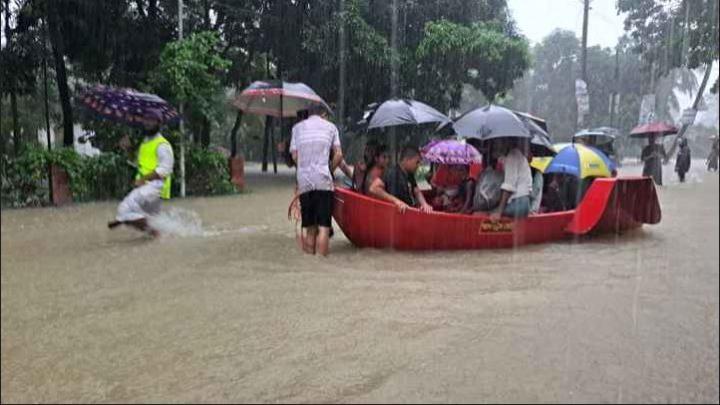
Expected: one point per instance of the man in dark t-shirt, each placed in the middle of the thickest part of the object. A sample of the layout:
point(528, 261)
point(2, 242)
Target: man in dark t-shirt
point(398, 184)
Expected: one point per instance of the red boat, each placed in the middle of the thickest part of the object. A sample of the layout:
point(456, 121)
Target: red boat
point(610, 205)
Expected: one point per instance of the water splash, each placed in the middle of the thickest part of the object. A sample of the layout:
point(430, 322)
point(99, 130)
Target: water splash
point(187, 223)
point(178, 221)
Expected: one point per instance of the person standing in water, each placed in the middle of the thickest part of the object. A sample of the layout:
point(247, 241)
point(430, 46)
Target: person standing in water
point(152, 182)
point(682, 162)
point(313, 142)
point(652, 156)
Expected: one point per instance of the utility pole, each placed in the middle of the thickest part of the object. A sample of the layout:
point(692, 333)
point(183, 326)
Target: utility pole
point(394, 75)
point(182, 124)
point(586, 11)
point(341, 81)
point(616, 87)
point(47, 110)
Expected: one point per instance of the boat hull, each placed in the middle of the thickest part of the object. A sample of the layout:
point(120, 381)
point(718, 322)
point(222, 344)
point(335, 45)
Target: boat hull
point(610, 205)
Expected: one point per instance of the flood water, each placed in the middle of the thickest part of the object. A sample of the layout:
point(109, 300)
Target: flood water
point(227, 310)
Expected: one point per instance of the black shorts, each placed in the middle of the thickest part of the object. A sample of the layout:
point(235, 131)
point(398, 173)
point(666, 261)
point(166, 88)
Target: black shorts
point(316, 207)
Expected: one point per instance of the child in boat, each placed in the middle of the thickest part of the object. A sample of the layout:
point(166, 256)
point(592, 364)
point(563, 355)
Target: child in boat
point(447, 184)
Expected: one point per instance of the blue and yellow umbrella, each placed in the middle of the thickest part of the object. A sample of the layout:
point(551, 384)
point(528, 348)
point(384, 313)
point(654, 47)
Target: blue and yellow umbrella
point(577, 160)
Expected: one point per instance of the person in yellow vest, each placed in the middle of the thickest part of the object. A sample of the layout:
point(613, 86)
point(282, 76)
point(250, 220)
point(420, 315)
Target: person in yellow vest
point(152, 182)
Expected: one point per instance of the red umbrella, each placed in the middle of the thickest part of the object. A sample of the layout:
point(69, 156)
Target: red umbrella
point(653, 128)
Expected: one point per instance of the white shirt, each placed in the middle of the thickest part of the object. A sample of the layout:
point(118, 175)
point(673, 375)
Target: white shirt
point(313, 139)
point(518, 178)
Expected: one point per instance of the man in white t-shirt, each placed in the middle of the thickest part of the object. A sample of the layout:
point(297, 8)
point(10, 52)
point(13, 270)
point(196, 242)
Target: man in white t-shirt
point(313, 141)
point(518, 182)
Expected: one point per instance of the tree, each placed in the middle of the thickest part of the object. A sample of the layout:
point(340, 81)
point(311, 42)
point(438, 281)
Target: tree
point(188, 73)
point(479, 54)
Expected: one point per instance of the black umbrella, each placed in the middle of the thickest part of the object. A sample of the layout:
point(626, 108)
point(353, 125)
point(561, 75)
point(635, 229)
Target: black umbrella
point(491, 122)
point(403, 112)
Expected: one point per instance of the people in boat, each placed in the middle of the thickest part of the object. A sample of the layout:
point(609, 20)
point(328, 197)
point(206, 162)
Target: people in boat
point(448, 187)
point(517, 179)
point(652, 156)
point(312, 142)
point(682, 162)
point(537, 188)
point(375, 162)
point(486, 196)
point(474, 171)
point(398, 184)
point(152, 181)
point(560, 193)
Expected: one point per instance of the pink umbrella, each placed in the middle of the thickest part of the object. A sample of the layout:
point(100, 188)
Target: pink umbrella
point(653, 128)
point(450, 152)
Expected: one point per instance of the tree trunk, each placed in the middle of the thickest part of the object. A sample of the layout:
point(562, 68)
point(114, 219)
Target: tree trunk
point(695, 104)
point(234, 132)
point(205, 134)
point(152, 10)
point(266, 142)
point(15, 122)
point(56, 41)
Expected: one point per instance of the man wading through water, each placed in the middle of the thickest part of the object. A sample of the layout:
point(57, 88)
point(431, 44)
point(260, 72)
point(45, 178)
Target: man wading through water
point(313, 140)
point(152, 182)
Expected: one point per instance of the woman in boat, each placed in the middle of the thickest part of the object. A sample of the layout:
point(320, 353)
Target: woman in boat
point(376, 161)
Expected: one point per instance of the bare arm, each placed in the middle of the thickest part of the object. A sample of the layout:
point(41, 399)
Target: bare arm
point(377, 190)
point(469, 194)
point(505, 196)
point(337, 158)
point(424, 206)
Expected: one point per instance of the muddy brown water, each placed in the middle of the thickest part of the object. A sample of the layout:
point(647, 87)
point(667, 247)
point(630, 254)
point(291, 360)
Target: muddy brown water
point(232, 312)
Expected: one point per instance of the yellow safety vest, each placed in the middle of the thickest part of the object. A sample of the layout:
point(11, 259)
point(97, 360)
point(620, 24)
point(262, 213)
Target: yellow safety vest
point(148, 162)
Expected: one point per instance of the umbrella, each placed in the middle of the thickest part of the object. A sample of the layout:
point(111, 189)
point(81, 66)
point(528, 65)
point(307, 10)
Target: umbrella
point(127, 106)
point(491, 122)
point(541, 123)
point(267, 97)
point(581, 161)
point(450, 152)
point(542, 162)
point(653, 129)
point(403, 112)
point(596, 136)
point(541, 146)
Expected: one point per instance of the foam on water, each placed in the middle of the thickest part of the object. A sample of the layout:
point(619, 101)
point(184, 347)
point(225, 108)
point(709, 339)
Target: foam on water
point(177, 221)
point(187, 223)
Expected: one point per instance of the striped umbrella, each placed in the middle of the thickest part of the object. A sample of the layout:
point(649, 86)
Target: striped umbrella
point(277, 99)
point(580, 161)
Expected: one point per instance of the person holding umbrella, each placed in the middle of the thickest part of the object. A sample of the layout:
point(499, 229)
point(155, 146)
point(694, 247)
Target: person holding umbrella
point(152, 183)
point(652, 156)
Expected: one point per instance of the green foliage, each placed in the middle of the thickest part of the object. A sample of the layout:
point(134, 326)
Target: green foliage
point(207, 172)
point(24, 178)
point(188, 72)
point(480, 54)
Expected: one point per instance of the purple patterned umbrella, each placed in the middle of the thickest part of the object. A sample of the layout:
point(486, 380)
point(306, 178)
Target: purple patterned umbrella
point(450, 152)
point(127, 106)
